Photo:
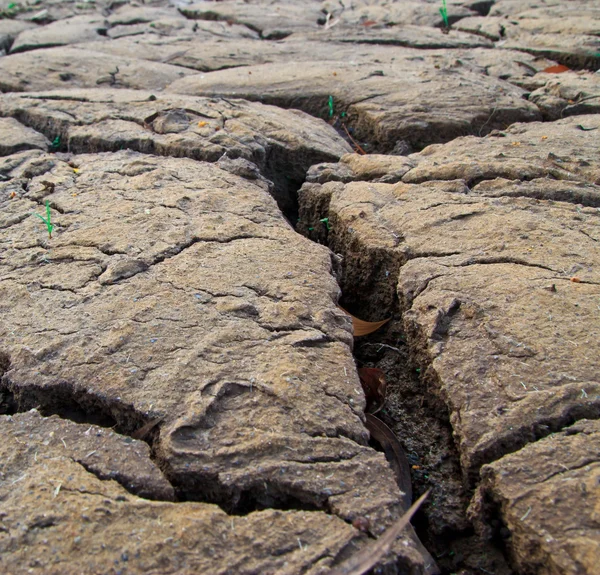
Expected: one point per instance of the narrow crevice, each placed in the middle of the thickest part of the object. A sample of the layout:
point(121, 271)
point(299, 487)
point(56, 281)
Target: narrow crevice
point(420, 420)
point(207, 487)
point(579, 61)
point(123, 480)
point(574, 192)
point(520, 436)
point(482, 7)
point(247, 501)
point(210, 16)
point(495, 260)
point(65, 401)
point(283, 171)
point(495, 530)
point(8, 405)
point(83, 407)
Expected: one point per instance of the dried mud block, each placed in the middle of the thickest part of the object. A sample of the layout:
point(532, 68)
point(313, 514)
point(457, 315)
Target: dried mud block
point(41, 13)
point(212, 53)
point(278, 21)
point(9, 30)
point(567, 94)
point(574, 51)
point(379, 13)
point(407, 100)
point(570, 191)
point(17, 137)
point(167, 26)
point(74, 30)
point(132, 14)
point(63, 512)
point(562, 150)
point(73, 67)
point(355, 167)
point(410, 36)
point(547, 496)
point(101, 451)
point(248, 139)
point(173, 289)
point(566, 32)
point(507, 346)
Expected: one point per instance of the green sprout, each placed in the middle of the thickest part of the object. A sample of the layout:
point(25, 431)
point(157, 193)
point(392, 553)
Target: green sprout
point(330, 104)
point(47, 219)
point(11, 10)
point(55, 143)
point(326, 222)
point(444, 14)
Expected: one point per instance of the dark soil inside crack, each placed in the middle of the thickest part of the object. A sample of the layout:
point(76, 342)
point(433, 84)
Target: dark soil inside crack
point(419, 419)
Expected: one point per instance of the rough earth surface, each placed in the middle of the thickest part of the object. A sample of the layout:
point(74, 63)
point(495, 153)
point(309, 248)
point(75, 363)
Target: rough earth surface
point(64, 512)
point(187, 193)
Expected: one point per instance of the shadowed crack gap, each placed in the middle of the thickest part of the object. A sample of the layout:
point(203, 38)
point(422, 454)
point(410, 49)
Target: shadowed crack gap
point(282, 166)
point(82, 406)
point(520, 436)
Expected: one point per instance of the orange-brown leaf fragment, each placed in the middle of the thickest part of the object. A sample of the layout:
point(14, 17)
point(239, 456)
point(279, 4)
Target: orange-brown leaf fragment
point(364, 327)
point(558, 69)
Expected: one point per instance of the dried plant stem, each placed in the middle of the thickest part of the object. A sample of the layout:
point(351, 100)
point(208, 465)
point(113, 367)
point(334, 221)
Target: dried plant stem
point(358, 148)
point(369, 555)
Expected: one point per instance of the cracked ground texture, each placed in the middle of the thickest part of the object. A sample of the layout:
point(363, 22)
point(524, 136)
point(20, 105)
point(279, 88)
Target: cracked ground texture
point(179, 148)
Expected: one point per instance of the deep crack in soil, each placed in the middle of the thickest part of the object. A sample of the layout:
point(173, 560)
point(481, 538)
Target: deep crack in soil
point(419, 418)
point(88, 408)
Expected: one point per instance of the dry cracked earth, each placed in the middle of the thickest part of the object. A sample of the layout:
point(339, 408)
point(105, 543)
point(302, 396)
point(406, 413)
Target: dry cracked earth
point(189, 191)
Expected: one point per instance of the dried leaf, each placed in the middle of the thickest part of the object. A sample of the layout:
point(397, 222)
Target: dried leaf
point(374, 386)
point(143, 431)
point(369, 555)
point(365, 327)
point(558, 69)
point(394, 453)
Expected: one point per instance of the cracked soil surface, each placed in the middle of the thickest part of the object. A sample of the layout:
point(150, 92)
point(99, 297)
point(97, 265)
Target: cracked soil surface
point(188, 193)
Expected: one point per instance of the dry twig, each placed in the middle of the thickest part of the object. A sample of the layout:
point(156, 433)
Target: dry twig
point(369, 555)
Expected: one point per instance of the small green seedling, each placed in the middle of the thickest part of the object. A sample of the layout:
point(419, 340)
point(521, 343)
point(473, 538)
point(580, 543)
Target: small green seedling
point(55, 143)
point(326, 222)
point(444, 14)
point(11, 10)
point(330, 104)
point(47, 219)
